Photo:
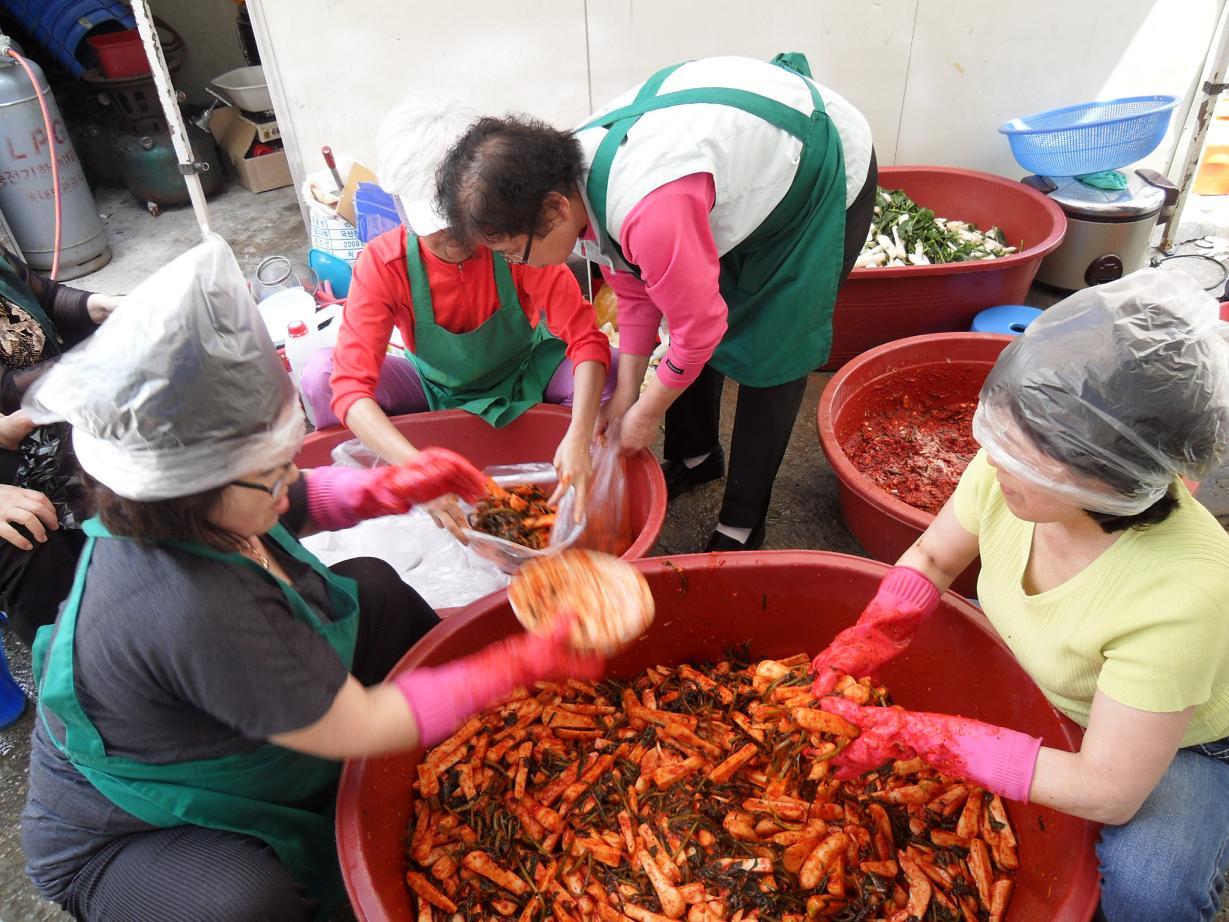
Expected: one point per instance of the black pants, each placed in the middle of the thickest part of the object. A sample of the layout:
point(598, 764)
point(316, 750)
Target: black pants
point(190, 873)
point(392, 617)
point(34, 583)
point(763, 416)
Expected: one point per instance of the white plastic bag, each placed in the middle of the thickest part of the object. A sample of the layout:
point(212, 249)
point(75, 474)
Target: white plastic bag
point(180, 391)
point(427, 558)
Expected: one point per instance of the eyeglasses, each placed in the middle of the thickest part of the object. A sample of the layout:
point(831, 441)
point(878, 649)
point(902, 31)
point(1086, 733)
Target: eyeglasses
point(524, 257)
point(276, 489)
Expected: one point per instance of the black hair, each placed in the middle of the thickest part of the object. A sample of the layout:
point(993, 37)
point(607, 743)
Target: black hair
point(493, 181)
point(183, 518)
point(1153, 515)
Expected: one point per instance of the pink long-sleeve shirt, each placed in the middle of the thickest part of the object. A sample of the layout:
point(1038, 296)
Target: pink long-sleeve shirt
point(668, 236)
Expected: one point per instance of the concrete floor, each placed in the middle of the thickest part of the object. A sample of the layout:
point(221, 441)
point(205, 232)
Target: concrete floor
point(255, 226)
point(804, 512)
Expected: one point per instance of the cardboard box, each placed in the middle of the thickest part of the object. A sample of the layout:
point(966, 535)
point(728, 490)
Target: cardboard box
point(235, 135)
point(358, 173)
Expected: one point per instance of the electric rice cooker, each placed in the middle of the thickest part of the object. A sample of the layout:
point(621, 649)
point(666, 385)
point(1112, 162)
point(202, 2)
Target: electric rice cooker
point(1107, 230)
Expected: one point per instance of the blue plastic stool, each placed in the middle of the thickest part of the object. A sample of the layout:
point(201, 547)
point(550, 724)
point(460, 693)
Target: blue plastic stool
point(12, 698)
point(1012, 319)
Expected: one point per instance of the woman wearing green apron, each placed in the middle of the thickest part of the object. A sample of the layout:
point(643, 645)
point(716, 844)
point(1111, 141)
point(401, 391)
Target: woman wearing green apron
point(726, 195)
point(207, 674)
point(40, 536)
point(480, 335)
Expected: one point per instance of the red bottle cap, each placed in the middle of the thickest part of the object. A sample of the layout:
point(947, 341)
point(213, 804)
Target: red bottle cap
point(296, 329)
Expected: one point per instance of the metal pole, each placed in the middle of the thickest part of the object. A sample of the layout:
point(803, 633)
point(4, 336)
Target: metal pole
point(1213, 85)
point(189, 165)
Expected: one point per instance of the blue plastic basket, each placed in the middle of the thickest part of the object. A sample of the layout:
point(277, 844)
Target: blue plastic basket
point(1090, 137)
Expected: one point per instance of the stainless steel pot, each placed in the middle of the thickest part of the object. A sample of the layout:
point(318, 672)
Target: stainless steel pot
point(1107, 230)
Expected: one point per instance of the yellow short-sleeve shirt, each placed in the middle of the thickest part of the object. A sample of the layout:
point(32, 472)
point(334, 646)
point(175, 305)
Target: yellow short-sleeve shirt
point(1147, 622)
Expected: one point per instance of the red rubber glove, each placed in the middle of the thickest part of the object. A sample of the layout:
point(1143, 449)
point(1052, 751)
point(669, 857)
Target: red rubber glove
point(441, 697)
point(339, 497)
point(905, 599)
point(1000, 760)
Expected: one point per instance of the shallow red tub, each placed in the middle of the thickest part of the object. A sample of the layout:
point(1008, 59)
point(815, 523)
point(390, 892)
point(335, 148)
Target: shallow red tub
point(533, 436)
point(945, 367)
point(879, 305)
point(783, 602)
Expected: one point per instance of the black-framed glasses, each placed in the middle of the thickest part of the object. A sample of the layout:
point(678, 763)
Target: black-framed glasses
point(275, 489)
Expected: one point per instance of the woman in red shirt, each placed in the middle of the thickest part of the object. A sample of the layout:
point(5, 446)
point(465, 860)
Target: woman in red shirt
point(483, 332)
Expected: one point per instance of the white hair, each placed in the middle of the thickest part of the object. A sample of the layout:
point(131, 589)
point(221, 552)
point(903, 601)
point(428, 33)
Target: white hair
point(410, 146)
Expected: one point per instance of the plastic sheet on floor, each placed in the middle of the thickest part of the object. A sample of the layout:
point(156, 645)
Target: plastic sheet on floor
point(444, 572)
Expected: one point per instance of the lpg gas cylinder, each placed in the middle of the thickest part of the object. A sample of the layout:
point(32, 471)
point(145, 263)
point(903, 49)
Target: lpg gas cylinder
point(27, 194)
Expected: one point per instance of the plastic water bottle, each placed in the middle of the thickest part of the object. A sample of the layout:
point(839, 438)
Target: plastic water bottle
point(300, 343)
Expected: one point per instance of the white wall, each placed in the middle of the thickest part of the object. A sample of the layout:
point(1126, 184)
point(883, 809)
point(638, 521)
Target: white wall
point(935, 78)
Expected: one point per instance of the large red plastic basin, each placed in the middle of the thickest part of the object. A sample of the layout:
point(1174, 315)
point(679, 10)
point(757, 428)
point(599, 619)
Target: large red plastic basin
point(533, 436)
point(878, 305)
point(945, 367)
point(783, 602)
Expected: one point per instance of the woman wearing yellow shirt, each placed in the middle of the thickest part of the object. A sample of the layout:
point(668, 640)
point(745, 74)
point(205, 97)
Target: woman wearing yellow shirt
point(1105, 578)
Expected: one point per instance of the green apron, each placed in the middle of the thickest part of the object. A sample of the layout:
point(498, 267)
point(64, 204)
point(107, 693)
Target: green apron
point(262, 793)
point(497, 371)
point(780, 283)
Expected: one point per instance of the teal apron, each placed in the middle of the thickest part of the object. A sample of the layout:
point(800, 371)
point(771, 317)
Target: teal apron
point(780, 283)
point(497, 371)
point(258, 793)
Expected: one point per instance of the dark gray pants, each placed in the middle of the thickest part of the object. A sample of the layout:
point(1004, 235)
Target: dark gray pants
point(190, 874)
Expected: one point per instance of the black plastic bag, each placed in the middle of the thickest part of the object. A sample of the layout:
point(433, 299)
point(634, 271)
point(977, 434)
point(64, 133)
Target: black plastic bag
point(49, 466)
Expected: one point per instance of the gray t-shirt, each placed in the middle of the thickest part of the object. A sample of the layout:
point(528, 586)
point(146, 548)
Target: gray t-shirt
point(177, 657)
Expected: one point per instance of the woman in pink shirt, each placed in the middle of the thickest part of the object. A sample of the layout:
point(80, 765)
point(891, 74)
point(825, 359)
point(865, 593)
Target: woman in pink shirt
point(729, 197)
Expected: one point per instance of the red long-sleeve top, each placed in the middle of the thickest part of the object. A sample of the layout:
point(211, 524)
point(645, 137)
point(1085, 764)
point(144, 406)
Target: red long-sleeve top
point(463, 296)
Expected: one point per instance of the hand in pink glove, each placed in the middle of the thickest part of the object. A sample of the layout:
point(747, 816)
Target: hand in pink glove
point(905, 599)
point(441, 697)
point(1000, 760)
point(338, 497)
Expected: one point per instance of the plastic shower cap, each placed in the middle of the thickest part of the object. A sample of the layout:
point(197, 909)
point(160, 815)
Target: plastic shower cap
point(411, 145)
point(1112, 393)
point(180, 391)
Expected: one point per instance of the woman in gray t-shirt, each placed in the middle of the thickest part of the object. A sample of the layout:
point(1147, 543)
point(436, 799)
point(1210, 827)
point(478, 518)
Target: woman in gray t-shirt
point(207, 674)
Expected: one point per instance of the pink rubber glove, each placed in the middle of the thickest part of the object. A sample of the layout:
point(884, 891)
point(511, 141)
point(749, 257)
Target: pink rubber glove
point(905, 599)
point(339, 497)
point(440, 697)
point(1000, 760)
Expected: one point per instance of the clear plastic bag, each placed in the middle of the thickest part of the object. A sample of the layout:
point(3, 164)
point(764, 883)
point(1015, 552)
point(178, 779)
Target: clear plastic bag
point(508, 555)
point(354, 453)
point(609, 521)
point(1112, 393)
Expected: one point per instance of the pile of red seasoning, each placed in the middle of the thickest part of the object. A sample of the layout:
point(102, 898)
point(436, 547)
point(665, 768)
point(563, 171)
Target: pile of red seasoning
point(916, 453)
